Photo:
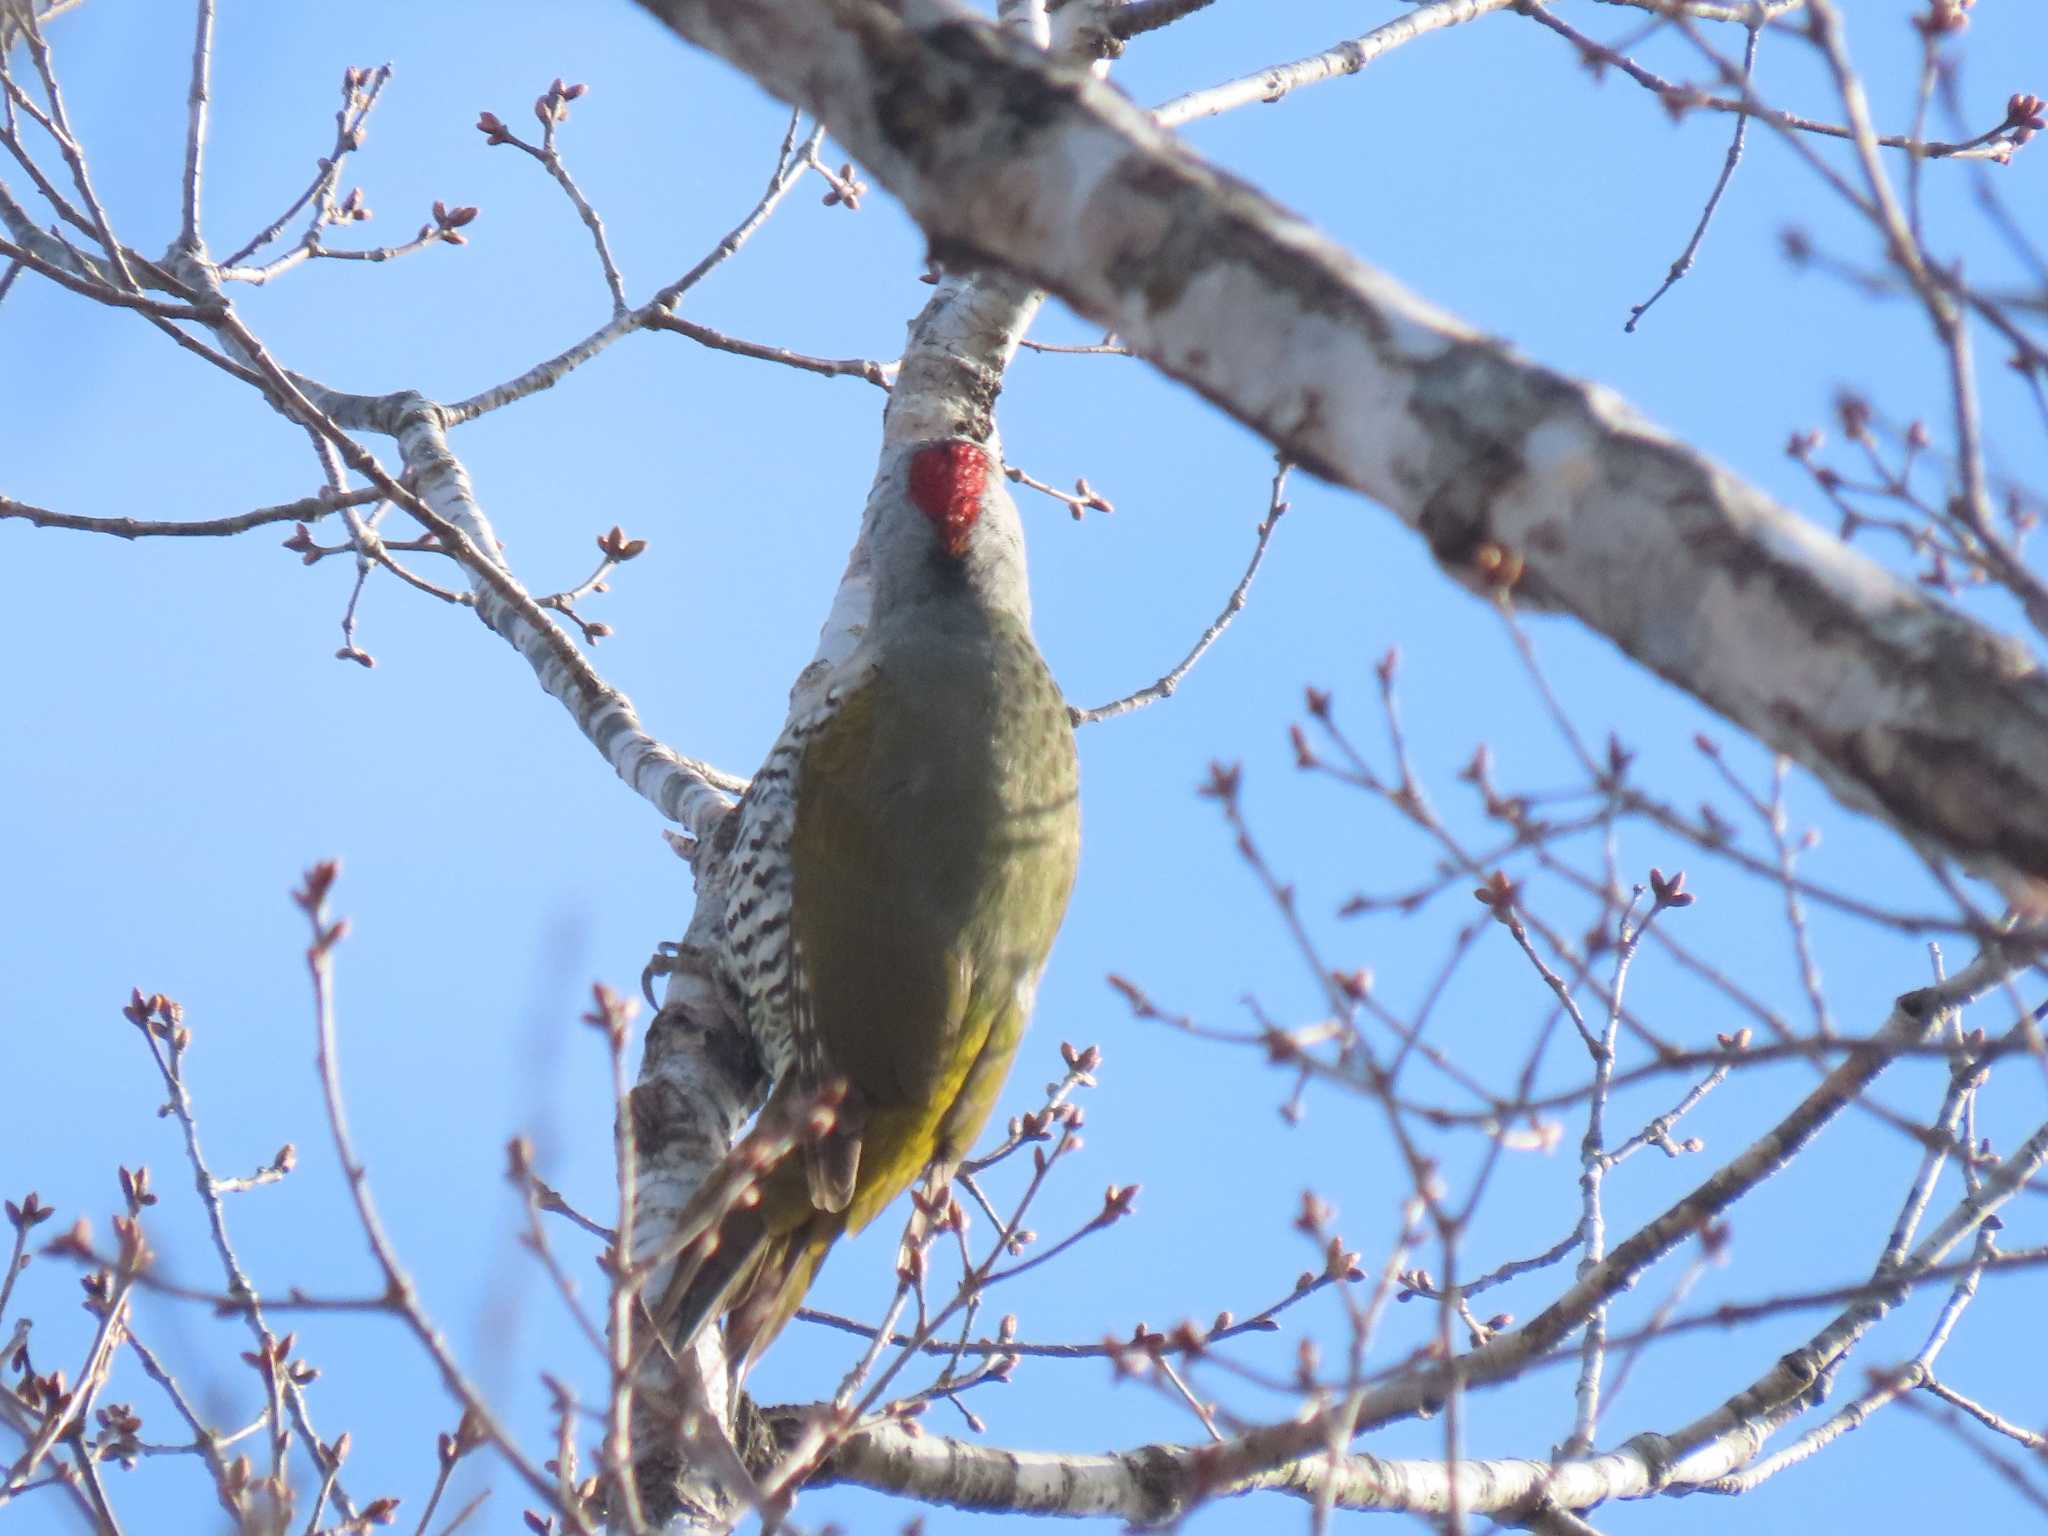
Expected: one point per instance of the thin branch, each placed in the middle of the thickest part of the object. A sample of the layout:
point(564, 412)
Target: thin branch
point(74, 156)
point(2031, 1439)
point(1886, 1387)
point(2015, 1475)
point(1683, 264)
point(1164, 688)
point(1658, 1132)
point(1345, 58)
point(96, 1490)
point(553, 108)
point(359, 92)
point(1080, 501)
point(403, 1298)
point(159, 1022)
point(1060, 349)
point(792, 161)
point(306, 509)
point(1993, 144)
point(876, 373)
point(312, 250)
point(1972, 508)
point(195, 125)
point(209, 1444)
point(614, 1015)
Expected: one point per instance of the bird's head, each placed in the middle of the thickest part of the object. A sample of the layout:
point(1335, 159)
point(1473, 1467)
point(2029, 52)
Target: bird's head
point(949, 482)
point(943, 526)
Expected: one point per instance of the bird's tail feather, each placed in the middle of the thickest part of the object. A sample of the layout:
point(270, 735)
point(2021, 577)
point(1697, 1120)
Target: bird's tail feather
point(706, 1284)
point(751, 1218)
point(754, 1274)
point(787, 1265)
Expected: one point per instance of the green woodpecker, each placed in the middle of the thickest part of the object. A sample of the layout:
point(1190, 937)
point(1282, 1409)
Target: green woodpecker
point(904, 859)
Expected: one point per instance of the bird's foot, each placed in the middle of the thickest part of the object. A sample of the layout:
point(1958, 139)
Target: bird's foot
point(662, 963)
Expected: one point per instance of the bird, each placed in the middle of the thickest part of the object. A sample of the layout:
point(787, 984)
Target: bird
point(903, 863)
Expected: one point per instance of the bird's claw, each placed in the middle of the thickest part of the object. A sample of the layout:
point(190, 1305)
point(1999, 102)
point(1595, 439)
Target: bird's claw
point(662, 963)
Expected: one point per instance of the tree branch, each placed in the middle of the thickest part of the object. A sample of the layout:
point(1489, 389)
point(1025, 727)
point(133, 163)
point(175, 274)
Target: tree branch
point(305, 510)
point(1514, 474)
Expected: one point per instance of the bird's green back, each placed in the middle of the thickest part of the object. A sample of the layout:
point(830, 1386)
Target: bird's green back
point(936, 837)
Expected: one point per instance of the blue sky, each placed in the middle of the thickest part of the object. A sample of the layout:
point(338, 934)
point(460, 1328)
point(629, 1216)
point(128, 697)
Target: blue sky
point(185, 743)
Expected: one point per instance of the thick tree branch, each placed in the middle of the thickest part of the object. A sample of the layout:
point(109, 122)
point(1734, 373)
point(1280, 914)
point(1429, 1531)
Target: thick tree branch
point(1157, 1484)
point(1902, 707)
point(691, 793)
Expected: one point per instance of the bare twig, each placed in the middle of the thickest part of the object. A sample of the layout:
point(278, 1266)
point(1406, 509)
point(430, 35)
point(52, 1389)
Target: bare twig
point(1164, 688)
point(360, 89)
point(1994, 144)
point(792, 161)
point(2031, 1439)
point(195, 125)
point(1345, 58)
point(402, 1298)
point(305, 510)
point(876, 373)
point(1683, 264)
